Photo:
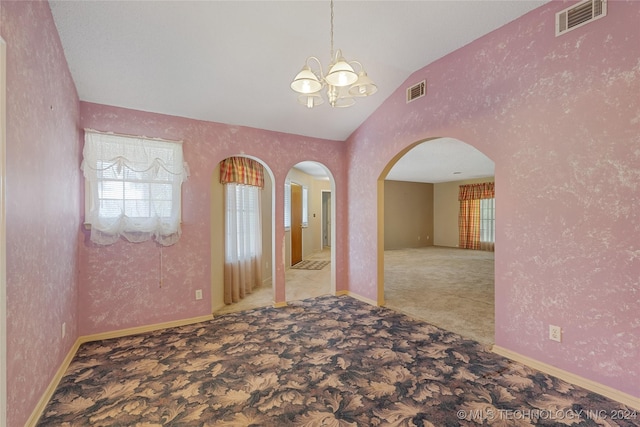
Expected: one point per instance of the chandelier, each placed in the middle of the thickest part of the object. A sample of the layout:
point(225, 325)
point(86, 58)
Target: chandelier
point(341, 81)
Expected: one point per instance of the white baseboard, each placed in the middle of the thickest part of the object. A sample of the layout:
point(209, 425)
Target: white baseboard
point(217, 308)
point(358, 297)
point(611, 393)
point(44, 400)
point(48, 393)
point(143, 329)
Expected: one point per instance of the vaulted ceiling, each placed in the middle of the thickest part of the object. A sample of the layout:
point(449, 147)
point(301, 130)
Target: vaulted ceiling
point(233, 61)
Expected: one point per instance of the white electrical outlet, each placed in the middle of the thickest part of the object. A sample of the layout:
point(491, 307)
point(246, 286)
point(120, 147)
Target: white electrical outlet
point(64, 329)
point(555, 333)
point(199, 294)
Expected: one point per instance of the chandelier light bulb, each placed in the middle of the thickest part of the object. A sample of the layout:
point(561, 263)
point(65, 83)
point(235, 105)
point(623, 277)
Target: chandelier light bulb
point(364, 86)
point(306, 81)
point(341, 73)
point(310, 100)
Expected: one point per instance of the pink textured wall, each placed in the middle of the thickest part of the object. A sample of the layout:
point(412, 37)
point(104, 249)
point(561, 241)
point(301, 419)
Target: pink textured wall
point(559, 116)
point(561, 119)
point(43, 181)
point(120, 283)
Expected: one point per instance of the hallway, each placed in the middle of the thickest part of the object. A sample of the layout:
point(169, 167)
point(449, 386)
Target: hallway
point(300, 284)
point(447, 287)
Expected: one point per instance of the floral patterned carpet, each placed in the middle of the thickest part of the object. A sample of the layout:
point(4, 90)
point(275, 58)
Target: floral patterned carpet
point(327, 361)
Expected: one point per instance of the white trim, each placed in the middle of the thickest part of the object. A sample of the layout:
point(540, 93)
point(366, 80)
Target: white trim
point(611, 393)
point(48, 393)
point(305, 206)
point(334, 226)
point(143, 329)
point(323, 218)
point(287, 205)
point(3, 235)
point(358, 297)
point(280, 304)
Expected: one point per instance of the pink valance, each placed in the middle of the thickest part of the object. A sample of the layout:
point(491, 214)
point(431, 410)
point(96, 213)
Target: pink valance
point(484, 190)
point(241, 170)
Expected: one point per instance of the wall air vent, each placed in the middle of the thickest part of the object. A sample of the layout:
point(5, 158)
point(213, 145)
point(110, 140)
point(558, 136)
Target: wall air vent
point(580, 14)
point(416, 91)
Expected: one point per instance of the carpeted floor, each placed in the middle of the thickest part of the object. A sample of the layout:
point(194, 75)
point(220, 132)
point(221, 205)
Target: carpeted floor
point(447, 287)
point(327, 361)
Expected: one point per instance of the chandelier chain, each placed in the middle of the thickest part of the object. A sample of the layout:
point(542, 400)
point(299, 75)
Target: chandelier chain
point(331, 57)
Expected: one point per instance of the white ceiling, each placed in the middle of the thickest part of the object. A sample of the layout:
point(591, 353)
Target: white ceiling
point(435, 161)
point(233, 61)
point(441, 160)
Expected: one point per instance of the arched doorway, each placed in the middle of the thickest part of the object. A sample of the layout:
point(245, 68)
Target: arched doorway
point(309, 234)
point(423, 272)
point(262, 295)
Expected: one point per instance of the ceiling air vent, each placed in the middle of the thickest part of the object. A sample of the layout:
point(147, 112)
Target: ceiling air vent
point(416, 91)
point(580, 14)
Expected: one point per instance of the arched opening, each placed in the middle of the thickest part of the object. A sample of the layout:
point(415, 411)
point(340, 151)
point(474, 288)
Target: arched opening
point(309, 232)
point(262, 295)
point(422, 270)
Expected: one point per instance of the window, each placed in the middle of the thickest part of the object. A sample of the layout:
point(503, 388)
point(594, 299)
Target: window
point(476, 219)
point(305, 207)
point(243, 219)
point(487, 221)
point(133, 188)
point(287, 205)
point(243, 180)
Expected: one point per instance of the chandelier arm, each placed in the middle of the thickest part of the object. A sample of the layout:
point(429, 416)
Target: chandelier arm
point(335, 57)
point(356, 62)
point(319, 66)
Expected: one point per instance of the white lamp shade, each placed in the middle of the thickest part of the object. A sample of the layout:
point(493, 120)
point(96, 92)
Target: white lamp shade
point(341, 74)
point(339, 97)
point(344, 101)
point(364, 86)
point(306, 82)
point(310, 100)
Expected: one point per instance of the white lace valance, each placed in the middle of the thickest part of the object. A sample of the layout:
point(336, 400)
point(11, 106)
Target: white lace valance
point(134, 187)
point(156, 158)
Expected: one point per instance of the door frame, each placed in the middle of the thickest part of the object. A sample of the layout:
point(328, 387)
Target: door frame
point(3, 234)
point(325, 219)
point(381, 212)
point(296, 213)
